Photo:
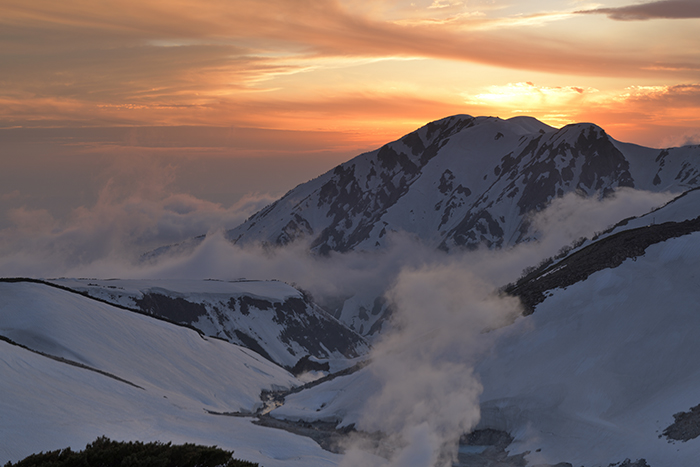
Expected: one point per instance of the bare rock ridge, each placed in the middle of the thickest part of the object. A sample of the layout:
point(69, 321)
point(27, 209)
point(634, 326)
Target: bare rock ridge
point(686, 425)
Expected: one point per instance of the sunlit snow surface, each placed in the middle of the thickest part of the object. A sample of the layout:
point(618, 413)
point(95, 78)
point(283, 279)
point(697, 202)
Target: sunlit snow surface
point(47, 404)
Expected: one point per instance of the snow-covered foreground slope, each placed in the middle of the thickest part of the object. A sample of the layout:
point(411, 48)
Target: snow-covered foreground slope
point(594, 376)
point(128, 376)
point(597, 372)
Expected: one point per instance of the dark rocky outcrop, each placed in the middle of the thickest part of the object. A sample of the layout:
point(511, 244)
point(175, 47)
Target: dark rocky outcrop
point(686, 425)
point(305, 365)
point(608, 252)
point(173, 308)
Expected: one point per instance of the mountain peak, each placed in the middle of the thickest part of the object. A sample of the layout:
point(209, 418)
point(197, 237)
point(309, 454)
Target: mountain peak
point(462, 181)
point(529, 124)
point(589, 129)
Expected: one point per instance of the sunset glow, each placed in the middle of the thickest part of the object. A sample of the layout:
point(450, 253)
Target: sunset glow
point(329, 79)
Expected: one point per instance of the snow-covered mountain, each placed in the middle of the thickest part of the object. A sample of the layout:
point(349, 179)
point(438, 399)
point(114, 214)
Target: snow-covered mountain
point(462, 182)
point(272, 318)
point(456, 183)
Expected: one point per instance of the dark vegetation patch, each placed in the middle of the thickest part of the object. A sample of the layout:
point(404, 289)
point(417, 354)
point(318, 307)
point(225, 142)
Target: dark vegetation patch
point(104, 452)
point(609, 252)
point(686, 425)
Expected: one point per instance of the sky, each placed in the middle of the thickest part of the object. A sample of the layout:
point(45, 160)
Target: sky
point(238, 101)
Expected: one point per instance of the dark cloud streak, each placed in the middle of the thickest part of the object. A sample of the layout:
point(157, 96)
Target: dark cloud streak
point(664, 9)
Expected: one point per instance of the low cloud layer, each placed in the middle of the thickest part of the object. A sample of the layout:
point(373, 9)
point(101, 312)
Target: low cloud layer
point(137, 211)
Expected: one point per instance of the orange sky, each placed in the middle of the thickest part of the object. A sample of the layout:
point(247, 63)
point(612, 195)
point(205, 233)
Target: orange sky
point(327, 79)
point(371, 69)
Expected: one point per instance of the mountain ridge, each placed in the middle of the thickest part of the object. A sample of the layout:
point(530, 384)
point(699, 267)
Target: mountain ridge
point(268, 317)
point(462, 181)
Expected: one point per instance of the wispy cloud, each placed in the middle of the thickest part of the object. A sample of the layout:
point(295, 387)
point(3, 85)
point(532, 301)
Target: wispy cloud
point(664, 9)
point(305, 65)
point(141, 52)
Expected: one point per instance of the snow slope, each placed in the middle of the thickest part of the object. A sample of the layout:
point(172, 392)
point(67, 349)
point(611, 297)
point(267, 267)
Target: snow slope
point(128, 376)
point(596, 373)
point(269, 317)
point(684, 207)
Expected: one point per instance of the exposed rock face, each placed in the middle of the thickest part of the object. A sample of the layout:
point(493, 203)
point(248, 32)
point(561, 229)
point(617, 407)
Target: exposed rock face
point(463, 182)
point(686, 425)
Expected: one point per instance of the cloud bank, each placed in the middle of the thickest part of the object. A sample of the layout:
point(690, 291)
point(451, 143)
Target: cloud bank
point(137, 211)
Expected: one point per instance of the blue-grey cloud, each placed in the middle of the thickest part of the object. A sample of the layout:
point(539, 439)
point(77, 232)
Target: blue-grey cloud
point(664, 9)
